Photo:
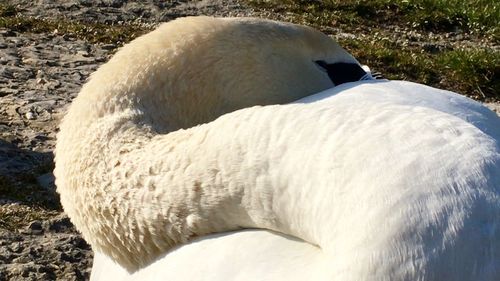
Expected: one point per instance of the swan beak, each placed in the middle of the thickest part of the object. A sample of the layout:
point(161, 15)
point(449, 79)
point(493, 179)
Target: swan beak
point(343, 72)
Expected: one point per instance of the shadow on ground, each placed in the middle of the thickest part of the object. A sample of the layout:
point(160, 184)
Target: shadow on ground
point(26, 177)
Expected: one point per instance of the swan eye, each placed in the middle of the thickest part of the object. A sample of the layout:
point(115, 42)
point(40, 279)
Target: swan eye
point(342, 72)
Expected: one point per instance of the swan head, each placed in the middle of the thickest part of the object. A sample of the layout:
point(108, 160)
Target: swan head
point(192, 70)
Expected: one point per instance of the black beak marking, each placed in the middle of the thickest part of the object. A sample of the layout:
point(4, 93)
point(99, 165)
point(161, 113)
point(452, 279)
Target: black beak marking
point(342, 72)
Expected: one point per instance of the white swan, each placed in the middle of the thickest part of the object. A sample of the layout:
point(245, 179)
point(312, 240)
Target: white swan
point(372, 180)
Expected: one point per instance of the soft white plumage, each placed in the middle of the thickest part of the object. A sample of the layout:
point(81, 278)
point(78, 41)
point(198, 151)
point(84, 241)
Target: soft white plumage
point(373, 180)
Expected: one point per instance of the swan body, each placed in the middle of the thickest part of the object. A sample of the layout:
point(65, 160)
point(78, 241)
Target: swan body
point(255, 255)
point(397, 181)
point(369, 180)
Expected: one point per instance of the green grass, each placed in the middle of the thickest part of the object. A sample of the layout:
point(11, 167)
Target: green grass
point(479, 69)
point(474, 16)
point(471, 71)
point(92, 32)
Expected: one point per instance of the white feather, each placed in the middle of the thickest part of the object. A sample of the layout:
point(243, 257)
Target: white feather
point(372, 180)
point(392, 180)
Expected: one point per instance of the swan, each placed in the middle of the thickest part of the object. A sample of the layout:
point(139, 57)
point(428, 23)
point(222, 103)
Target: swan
point(171, 166)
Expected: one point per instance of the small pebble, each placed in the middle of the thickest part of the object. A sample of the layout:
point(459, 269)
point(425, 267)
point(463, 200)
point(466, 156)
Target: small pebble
point(30, 115)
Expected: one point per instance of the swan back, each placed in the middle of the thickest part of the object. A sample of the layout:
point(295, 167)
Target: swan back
point(391, 180)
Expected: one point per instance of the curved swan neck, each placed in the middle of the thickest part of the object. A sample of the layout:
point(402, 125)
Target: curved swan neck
point(134, 189)
point(153, 192)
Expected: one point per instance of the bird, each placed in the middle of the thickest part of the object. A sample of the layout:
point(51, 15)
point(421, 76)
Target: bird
point(249, 149)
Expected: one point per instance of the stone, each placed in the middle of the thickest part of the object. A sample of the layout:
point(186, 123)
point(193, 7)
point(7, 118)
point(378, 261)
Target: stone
point(46, 180)
point(35, 227)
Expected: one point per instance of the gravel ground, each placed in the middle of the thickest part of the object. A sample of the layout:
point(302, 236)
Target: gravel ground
point(39, 76)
